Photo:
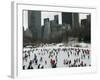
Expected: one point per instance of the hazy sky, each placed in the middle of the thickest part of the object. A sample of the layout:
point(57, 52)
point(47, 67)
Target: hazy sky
point(25, 19)
point(82, 16)
point(49, 15)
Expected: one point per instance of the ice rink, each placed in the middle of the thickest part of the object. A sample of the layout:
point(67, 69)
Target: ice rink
point(53, 57)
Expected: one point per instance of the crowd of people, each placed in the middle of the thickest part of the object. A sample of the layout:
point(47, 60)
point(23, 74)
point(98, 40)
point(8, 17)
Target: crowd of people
point(39, 58)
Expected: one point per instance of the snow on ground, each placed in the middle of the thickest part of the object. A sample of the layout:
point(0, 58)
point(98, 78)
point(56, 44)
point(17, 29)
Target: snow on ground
point(55, 56)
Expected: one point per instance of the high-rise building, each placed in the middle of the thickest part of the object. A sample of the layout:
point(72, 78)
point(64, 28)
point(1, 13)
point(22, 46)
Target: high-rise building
point(86, 25)
point(70, 18)
point(89, 20)
point(75, 20)
point(86, 22)
point(56, 19)
point(47, 29)
point(53, 25)
point(34, 23)
point(67, 18)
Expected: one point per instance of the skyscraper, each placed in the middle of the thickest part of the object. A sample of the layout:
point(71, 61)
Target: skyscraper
point(75, 20)
point(34, 23)
point(56, 19)
point(47, 29)
point(70, 18)
point(67, 18)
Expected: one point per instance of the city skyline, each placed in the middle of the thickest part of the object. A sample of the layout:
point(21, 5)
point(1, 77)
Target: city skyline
point(62, 27)
point(50, 15)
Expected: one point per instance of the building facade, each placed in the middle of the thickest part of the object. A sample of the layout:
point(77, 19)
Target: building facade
point(34, 23)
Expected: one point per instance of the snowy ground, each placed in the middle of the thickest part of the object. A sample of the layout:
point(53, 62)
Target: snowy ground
point(54, 56)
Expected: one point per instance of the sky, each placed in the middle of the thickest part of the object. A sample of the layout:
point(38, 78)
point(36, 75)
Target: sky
point(25, 19)
point(82, 16)
point(50, 15)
